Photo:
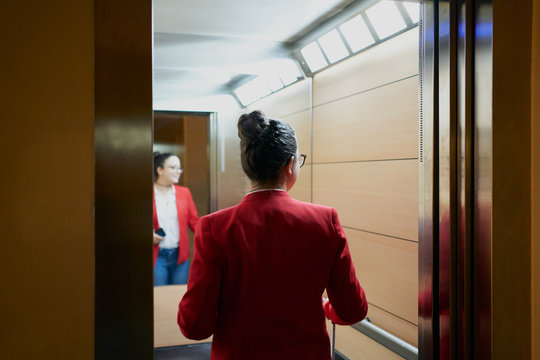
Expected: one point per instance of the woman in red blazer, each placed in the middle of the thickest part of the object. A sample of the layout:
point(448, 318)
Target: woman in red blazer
point(260, 268)
point(174, 211)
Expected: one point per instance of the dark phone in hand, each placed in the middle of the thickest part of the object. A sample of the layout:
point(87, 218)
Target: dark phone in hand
point(160, 232)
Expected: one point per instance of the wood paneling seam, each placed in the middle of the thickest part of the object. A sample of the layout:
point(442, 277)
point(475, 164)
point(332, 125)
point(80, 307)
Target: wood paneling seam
point(359, 161)
point(367, 90)
point(283, 117)
point(391, 313)
point(380, 234)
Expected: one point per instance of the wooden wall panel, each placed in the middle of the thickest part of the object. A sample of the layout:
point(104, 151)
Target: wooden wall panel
point(535, 178)
point(378, 124)
point(394, 325)
point(392, 60)
point(301, 123)
point(48, 189)
point(233, 184)
point(379, 196)
point(166, 330)
point(388, 271)
point(196, 173)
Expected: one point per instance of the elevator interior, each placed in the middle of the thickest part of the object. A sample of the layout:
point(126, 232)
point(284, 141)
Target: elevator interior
point(356, 116)
point(82, 220)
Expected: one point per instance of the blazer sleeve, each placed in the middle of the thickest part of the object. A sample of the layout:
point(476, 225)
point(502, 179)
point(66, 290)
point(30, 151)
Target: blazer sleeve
point(198, 309)
point(347, 302)
point(193, 217)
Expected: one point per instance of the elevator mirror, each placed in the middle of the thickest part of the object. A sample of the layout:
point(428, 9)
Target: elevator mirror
point(187, 136)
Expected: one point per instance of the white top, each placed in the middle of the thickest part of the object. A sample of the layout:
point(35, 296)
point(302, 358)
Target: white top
point(168, 218)
point(259, 190)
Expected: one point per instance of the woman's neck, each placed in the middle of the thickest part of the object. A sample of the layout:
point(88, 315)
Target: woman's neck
point(163, 187)
point(258, 187)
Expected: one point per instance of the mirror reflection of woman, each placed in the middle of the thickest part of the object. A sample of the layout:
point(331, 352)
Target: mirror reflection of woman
point(174, 211)
point(260, 268)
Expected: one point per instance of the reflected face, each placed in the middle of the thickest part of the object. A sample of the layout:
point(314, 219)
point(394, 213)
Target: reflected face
point(170, 172)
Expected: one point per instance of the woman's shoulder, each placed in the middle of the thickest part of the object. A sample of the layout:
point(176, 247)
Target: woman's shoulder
point(312, 206)
point(219, 216)
point(182, 189)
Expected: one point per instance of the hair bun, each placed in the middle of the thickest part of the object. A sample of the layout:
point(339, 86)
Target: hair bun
point(266, 146)
point(251, 126)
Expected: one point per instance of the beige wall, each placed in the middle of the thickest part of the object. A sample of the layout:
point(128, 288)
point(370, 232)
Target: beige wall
point(47, 189)
point(535, 180)
point(365, 164)
point(232, 182)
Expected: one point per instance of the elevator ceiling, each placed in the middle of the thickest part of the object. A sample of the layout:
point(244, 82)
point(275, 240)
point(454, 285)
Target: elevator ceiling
point(200, 46)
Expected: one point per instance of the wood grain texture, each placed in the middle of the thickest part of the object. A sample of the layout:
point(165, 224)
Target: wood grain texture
point(535, 178)
point(196, 173)
point(166, 331)
point(48, 182)
point(387, 269)
point(392, 60)
point(378, 124)
point(379, 196)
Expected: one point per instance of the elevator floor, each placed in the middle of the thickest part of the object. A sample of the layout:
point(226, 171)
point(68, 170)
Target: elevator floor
point(197, 352)
point(184, 352)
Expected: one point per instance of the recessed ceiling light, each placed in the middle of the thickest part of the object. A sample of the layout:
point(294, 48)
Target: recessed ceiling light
point(314, 57)
point(413, 9)
point(356, 33)
point(274, 82)
point(289, 72)
point(333, 46)
point(252, 91)
point(385, 18)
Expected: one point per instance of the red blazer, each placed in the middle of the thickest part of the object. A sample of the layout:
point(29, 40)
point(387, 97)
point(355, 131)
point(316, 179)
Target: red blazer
point(187, 216)
point(259, 271)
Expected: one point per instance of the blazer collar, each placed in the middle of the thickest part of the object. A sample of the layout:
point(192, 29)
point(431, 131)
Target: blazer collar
point(266, 195)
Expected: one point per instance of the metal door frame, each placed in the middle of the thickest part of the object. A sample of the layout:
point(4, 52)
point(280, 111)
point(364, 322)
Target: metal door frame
point(455, 179)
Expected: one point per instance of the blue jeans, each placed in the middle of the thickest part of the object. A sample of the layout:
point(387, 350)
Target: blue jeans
point(167, 270)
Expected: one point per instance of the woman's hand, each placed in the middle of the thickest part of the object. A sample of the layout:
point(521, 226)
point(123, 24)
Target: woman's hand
point(157, 238)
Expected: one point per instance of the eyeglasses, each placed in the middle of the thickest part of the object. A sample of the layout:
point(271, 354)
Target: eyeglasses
point(175, 168)
point(302, 159)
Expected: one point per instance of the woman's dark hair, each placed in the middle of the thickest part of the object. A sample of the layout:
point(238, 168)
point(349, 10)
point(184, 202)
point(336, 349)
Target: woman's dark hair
point(159, 161)
point(266, 146)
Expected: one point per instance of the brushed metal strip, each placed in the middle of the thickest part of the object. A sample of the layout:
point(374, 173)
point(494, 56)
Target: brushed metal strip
point(428, 327)
point(465, 267)
point(446, 173)
point(213, 160)
point(390, 341)
point(482, 193)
